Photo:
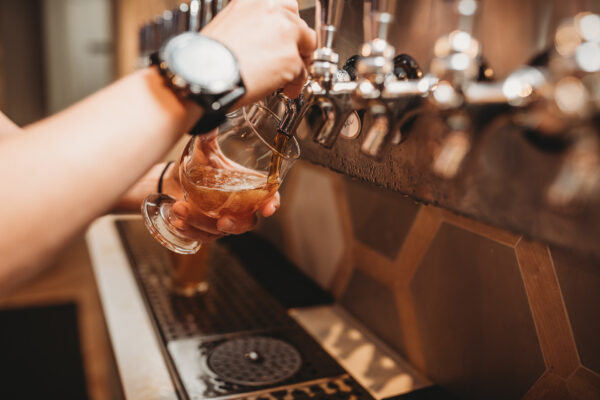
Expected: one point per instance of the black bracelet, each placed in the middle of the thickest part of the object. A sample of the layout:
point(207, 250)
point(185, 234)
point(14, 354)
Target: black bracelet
point(162, 174)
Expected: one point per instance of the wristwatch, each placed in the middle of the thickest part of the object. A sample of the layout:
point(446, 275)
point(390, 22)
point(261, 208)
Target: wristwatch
point(201, 69)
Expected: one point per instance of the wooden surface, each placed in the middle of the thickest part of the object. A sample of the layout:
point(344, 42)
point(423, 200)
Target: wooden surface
point(71, 279)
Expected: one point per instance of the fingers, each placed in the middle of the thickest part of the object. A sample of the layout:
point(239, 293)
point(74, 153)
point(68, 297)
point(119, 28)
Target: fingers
point(293, 89)
point(198, 234)
point(291, 5)
point(199, 224)
point(271, 206)
point(187, 218)
point(307, 40)
point(236, 225)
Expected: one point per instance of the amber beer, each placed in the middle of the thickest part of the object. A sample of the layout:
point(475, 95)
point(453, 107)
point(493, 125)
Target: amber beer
point(281, 141)
point(217, 192)
point(189, 273)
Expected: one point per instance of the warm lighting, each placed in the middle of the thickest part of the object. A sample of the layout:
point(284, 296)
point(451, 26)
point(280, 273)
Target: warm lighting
point(354, 334)
point(463, 42)
point(571, 96)
point(442, 47)
point(460, 40)
point(521, 84)
point(589, 26)
point(459, 62)
point(387, 363)
point(467, 7)
point(566, 40)
point(587, 57)
point(445, 95)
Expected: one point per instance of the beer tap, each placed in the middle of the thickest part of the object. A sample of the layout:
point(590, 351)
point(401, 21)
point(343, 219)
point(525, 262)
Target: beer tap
point(466, 96)
point(388, 87)
point(333, 97)
point(376, 89)
point(374, 67)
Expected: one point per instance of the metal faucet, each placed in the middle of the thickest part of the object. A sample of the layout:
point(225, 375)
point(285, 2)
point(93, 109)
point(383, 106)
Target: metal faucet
point(555, 99)
point(377, 89)
point(323, 88)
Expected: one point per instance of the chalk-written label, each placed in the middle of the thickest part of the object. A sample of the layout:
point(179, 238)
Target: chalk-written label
point(352, 126)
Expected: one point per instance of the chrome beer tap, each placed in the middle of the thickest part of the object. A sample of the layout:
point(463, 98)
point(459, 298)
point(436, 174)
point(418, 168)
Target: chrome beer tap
point(374, 67)
point(464, 93)
point(333, 97)
point(388, 87)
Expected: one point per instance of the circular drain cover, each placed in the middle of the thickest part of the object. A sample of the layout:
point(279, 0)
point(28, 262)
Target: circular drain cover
point(254, 361)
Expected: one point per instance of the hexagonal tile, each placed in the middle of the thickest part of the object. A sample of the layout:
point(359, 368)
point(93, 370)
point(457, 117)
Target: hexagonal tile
point(579, 279)
point(477, 332)
point(380, 219)
point(373, 304)
point(313, 225)
point(549, 387)
point(584, 385)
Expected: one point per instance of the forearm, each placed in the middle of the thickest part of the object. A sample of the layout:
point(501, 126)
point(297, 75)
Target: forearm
point(7, 127)
point(64, 171)
point(132, 200)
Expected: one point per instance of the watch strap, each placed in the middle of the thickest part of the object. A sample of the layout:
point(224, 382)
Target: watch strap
point(214, 106)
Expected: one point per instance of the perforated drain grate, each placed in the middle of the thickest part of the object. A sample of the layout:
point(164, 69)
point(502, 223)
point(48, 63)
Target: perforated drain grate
point(255, 361)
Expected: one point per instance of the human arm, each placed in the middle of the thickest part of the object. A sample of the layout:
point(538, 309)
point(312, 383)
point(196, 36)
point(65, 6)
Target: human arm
point(7, 126)
point(62, 172)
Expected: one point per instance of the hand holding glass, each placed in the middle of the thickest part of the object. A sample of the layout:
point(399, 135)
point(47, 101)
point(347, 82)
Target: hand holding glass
point(224, 173)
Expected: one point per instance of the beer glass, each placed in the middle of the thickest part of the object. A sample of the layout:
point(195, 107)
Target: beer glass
point(224, 173)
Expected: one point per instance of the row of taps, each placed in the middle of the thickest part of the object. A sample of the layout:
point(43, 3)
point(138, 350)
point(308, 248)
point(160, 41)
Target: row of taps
point(556, 97)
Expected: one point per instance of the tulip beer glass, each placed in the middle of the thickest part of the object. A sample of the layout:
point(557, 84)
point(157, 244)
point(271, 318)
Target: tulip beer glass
point(224, 173)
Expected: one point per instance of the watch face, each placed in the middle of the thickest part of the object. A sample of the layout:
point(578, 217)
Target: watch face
point(203, 62)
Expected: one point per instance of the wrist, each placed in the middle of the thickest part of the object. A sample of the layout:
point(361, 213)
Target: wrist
point(182, 111)
point(204, 71)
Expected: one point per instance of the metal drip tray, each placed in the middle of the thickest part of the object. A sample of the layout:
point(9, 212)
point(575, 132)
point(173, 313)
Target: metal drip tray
point(254, 361)
point(234, 341)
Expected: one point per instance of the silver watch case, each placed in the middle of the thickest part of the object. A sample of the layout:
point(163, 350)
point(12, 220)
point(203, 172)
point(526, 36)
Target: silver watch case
point(198, 65)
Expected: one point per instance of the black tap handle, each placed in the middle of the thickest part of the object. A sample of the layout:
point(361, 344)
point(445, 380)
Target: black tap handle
point(350, 67)
point(406, 67)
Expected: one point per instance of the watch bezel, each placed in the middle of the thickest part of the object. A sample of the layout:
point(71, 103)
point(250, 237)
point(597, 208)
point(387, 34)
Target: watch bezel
point(184, 81)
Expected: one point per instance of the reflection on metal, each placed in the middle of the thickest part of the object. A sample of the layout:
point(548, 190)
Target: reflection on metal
point(544, 88)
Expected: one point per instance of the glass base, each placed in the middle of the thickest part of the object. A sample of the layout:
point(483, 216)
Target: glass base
point(156, 210)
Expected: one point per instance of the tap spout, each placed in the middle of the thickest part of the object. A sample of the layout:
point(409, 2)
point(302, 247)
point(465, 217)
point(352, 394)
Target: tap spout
point(379, 131)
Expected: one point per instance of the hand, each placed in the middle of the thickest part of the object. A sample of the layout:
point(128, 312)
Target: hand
point(271, 42)
point(202, 227)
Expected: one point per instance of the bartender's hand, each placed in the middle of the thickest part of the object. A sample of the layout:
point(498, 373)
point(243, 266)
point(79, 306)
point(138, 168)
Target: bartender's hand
point(195, 226)
point(199, 226)
point(271, 42)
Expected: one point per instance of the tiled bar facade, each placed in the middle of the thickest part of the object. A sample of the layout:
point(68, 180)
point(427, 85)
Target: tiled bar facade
point(483, 312)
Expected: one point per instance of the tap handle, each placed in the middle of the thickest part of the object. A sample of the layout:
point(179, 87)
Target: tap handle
point(328, 18)
point(406, 67)
point(349, 69)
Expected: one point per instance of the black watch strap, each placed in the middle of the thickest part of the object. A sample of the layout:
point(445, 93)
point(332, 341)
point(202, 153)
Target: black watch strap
point(214, 106)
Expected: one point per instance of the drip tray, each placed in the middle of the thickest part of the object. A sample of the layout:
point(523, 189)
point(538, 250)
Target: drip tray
point(234, 341)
